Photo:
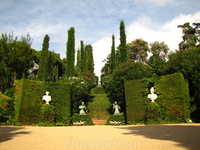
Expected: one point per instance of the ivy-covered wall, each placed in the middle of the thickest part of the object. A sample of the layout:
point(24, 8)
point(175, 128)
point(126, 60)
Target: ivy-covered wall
point(173, 99)
point(28, 97)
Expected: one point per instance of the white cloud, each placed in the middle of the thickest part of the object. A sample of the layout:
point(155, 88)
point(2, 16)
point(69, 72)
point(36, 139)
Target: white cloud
point(156, 2)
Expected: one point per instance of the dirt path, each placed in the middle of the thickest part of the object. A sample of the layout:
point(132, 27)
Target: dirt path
point(140, 137)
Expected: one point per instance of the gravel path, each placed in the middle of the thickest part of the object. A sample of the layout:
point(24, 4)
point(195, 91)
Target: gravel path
point(140, 137)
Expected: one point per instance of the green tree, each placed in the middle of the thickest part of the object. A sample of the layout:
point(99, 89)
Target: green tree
point(78, 63)
point(138, 50)
point(157, 61)
point(114, 83)
point(113, 59)
point(70, 53)
point(42, 72)
point(90, 59)
point(189, 37)
point(83, 58)
point(188, 63)
point(123, 46)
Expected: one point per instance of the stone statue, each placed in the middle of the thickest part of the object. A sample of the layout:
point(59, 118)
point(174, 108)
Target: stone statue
point(82, 108)
point(47, 97)
point(152, 96)
point(116, 107)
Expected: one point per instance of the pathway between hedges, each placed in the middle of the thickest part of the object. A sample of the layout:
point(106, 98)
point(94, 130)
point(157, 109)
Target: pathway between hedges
point(98, 106)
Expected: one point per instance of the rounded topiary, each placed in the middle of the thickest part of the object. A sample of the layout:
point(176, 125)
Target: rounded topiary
point(153, 114)
point(47, 114)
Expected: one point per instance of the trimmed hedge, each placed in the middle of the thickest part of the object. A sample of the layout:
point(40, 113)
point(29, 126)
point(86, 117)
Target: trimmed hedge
point(136, 92)
point(80, 118)
point(117, 118)
point(173, 99)
point(28, 97)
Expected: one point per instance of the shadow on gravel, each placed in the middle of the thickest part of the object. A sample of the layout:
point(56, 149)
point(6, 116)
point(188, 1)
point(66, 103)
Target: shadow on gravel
point(7, 133)
point(187, 136)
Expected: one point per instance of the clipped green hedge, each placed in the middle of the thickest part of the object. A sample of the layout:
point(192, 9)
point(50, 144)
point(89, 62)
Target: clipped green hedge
point(83, 118)
point(136, 92)
point(117, 118)
point(28, 97)
point(173, 99)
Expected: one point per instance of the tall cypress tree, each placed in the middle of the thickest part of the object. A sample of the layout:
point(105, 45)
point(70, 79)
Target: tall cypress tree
point(42, 72)
point(90, 59)
point(83, 58)
point(112, 60)
point(122, 46)
point(70, 53)
point(78, 63)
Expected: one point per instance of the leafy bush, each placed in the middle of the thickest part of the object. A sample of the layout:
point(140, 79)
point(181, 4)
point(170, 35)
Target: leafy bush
point(153, 114)
point(80, 89)
point(117, 118)
point(82, 118)
point(47, 114)
point(114, 83)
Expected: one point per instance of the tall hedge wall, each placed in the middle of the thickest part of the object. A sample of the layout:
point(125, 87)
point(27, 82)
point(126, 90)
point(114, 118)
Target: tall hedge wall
point(136, 98)
point(173, 98)
point(28, 97)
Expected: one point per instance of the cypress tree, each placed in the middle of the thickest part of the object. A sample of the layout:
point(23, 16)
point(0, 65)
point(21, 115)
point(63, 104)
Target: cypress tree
point(83, 58)
point(78, 63)
point(42, 72)
point(70, 53)
point(112, 60)
point(122, 46)
point(90, 59)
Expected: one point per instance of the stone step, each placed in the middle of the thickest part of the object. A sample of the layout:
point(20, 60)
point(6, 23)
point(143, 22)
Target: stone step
point(99, 121)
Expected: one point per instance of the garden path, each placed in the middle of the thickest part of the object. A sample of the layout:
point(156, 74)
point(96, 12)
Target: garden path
point(98, 106)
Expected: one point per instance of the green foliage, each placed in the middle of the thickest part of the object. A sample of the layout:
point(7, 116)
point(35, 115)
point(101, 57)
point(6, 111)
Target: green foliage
point(122, 46)
point(90, 59)
point(172, 104)
point(189, 37)
point(188, 63)
point(99, 104)
point(16, 58)
point(80, 91)
point(82, 118)
point(43, 66)
point(28, 97)
point(117, 118)
point(138, 50)
point(83, 58)
point(6, 108)
point(136, 99)
point(173, 98)
point(70, 52)
point(47, 114)
point(157, 61)
point(153, 114)
point(114, 84)
point(112, 59)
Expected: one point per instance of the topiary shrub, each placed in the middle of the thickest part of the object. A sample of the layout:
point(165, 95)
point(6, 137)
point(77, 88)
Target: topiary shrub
point(47, 115)
point(116, 118)
point(153, 114)
point(82, 118)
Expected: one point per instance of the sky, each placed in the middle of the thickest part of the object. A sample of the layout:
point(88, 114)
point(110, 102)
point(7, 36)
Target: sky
point(95, 21)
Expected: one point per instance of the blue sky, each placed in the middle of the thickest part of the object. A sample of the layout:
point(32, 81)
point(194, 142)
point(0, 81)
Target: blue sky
point(96, 20)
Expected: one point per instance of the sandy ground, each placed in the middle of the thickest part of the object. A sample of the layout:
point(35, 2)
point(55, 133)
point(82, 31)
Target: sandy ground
point(101, 137)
